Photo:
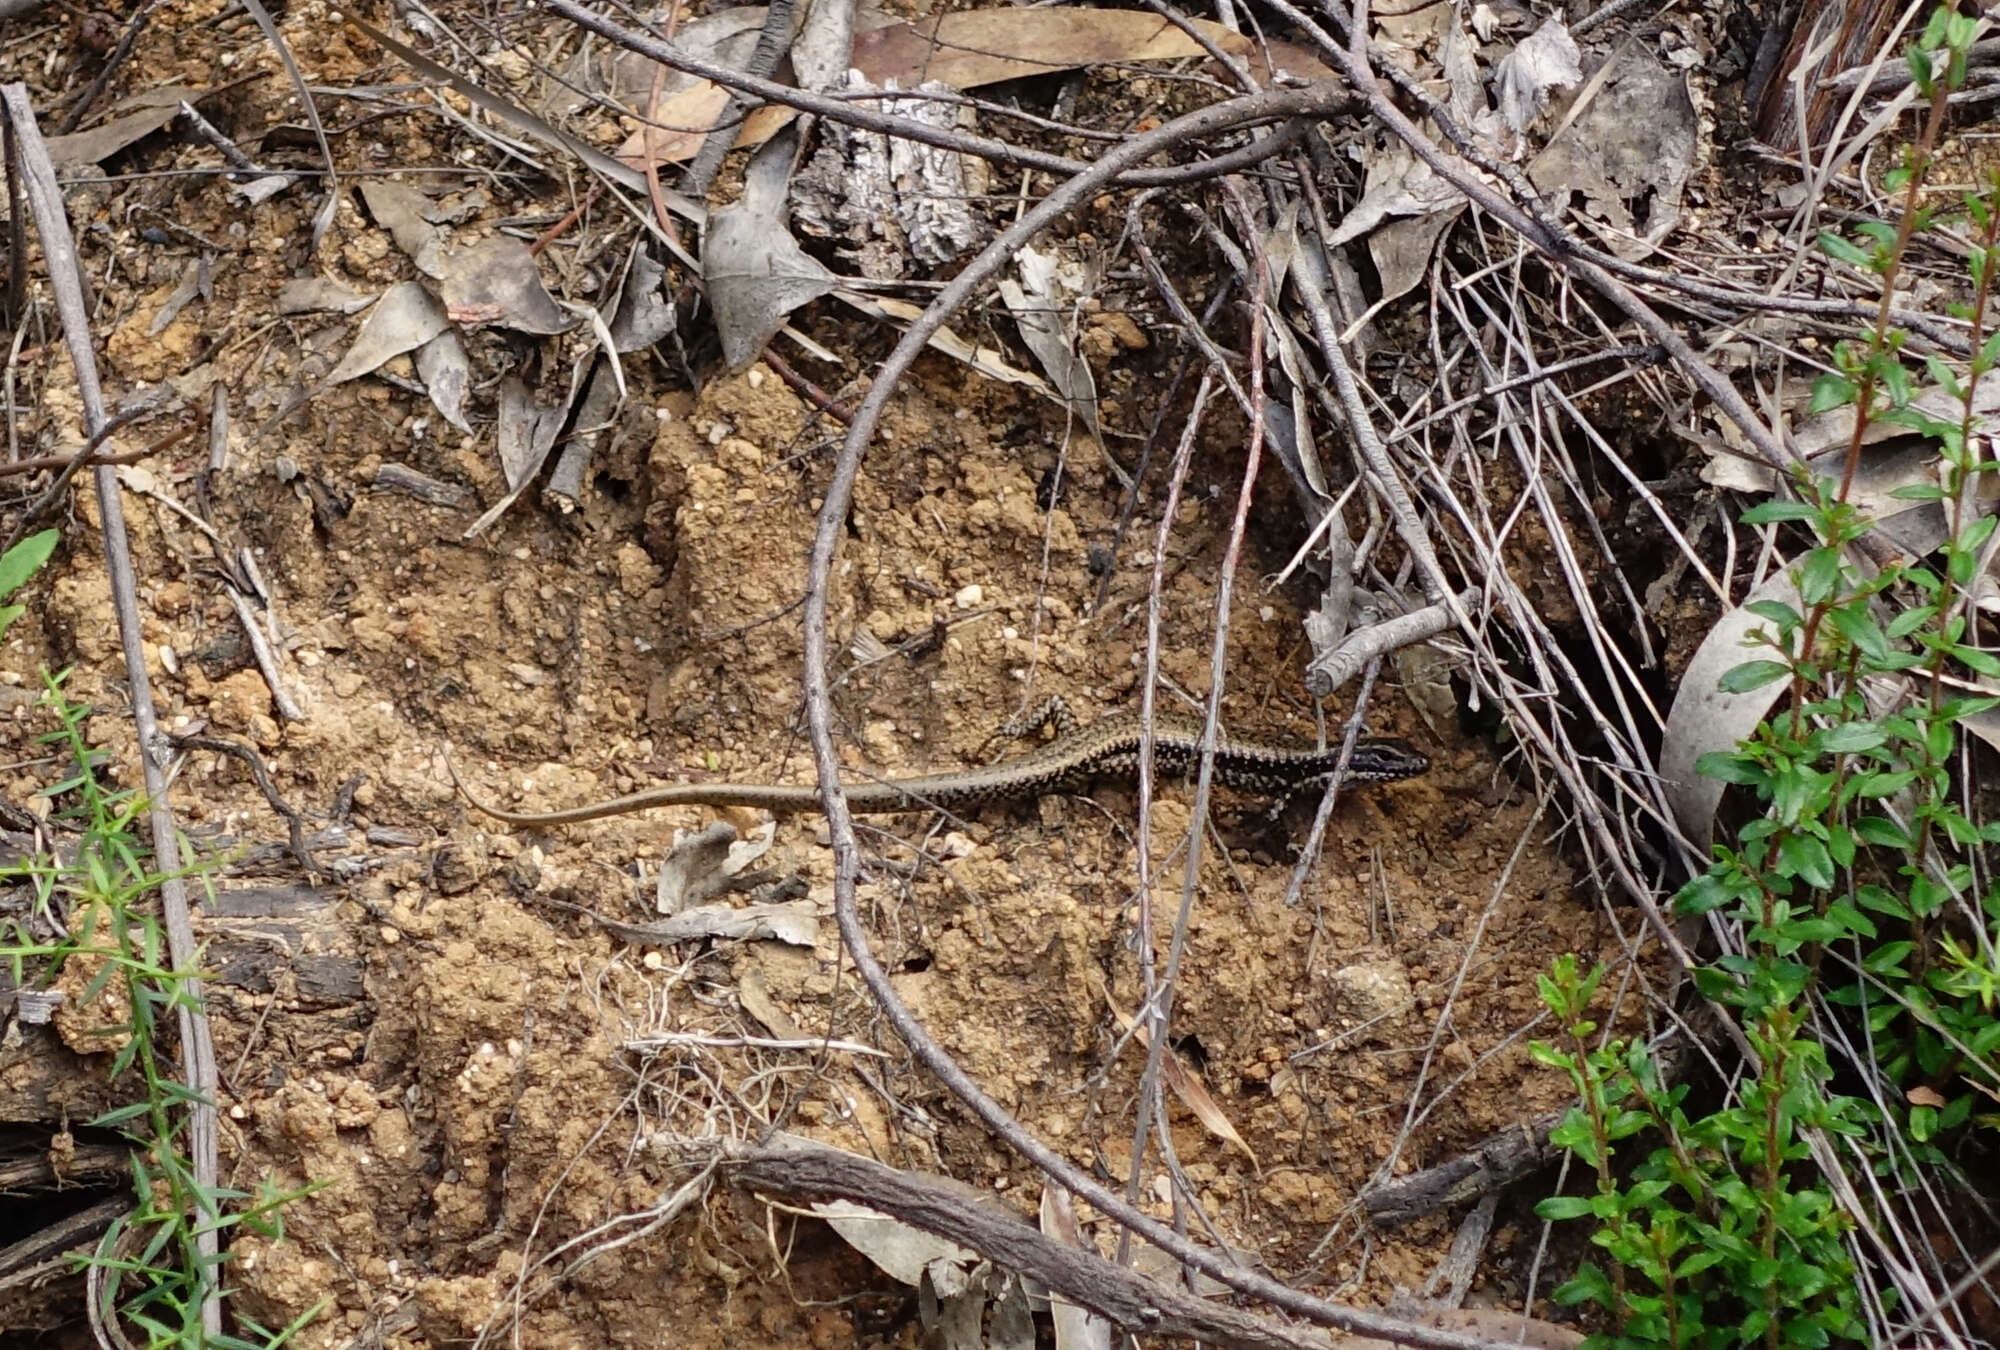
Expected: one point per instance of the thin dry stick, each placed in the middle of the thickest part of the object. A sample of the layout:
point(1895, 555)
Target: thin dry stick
point(197, 1050)
point(1148, 692)
point(1309, 854)
point(1159, 1000)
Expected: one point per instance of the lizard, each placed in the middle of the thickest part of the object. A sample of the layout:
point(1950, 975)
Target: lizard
point(1107, 749)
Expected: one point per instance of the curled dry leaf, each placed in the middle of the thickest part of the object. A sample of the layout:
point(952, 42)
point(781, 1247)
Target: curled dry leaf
point(796, 925)
point(525, 434)
point(404, 213)
point(903, 1253)
point(1830, 431)
point(644, 311)
point(986, 360)
point(446, 370)
point(303, 295)
point(1398, 184)
point(131, 119)
point(695, 868)
point(1043, 302)
point(755, 998)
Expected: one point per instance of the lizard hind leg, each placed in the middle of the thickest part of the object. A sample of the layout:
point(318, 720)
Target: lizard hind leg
point(1053, 713)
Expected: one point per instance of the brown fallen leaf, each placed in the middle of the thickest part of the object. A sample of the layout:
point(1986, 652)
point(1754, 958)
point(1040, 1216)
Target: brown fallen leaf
point(1188, 1088)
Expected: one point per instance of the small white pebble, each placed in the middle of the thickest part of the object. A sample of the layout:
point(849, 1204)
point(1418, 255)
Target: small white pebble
point(969, 596)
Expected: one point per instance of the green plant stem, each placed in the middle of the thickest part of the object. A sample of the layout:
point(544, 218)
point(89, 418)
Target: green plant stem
point(1906, 223)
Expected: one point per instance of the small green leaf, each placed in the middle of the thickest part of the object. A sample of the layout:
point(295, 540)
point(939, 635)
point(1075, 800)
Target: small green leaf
point(1888, 958)
point(1559, 1207)
point(1704, 893)
point(1840, 249)
point(1805, 857)
point(1777, 612)
point(1730, 767)
point(1851, 919)
point(1773, 512)
point(1909, 621)
point(1919, 492)
point(1944, 377)
point(1819, 576)
point(1752, 675)
point(1588, 1285)
point(1974, 659)
point(25, 559)
point(1877, 785)
point(1881, 899)
point(1850, 737)
point(1896, 377)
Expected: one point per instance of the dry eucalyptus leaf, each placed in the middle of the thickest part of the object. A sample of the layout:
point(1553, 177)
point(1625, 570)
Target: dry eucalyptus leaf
point(1187, 1087)
point(495, 281)
point(194, 280)
point(404, 319)
point(1705, 718)
point(986, 360)
point(525, 435)
point(133, 118)
point(1425, 674)
point(968, 48)
point(1398, 184)
point(1076, 1328)
point(901, 1252)
point(1545, 60)
point(522, 432)
point(446, 370)
point(796, 925)
point(1042, 304)
point(1401, 251)
point(755, 272)
point(1628, 154)
point(403, 212)
point(303, 295)
point(755, 998)
point(695, 868)
point(644, 311)
point(1831, 431)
